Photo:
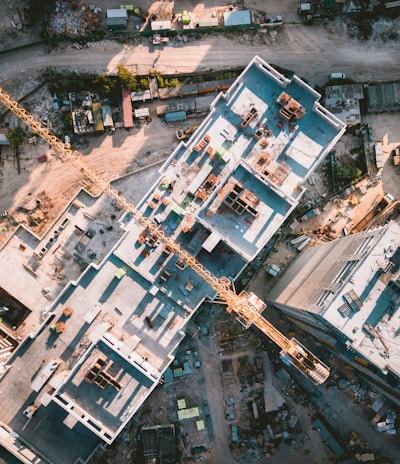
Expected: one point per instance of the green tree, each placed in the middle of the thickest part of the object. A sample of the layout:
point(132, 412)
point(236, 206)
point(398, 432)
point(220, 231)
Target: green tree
point(347, 173)
point(128, 80)
point(15, 137)
point(160, 81)
point(68, 122)
point(154, 73)
point(105, 85)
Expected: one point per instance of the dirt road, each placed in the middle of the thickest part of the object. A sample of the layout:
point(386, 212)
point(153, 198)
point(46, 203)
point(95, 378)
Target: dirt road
point(312, 52)
point(211, 367)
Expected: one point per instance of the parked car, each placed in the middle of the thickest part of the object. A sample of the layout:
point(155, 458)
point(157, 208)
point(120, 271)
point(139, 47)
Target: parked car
point(337, 76)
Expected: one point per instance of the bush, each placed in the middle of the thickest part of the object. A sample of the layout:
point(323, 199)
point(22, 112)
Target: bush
point(347, 173)
point(174, 82)
point(143, 83)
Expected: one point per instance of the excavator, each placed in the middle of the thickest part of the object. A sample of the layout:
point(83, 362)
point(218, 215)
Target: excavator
point(185, 132)
point(246, 307)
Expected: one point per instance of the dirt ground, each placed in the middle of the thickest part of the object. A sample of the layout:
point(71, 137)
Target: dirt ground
point(110, 156)
point(9, 35)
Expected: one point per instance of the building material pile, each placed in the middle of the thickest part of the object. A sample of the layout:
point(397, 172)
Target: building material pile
point(74, 19)
point(300, 242)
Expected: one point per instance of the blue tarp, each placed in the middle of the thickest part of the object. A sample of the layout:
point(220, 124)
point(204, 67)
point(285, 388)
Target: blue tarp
point(175, 116)
point(237, 18)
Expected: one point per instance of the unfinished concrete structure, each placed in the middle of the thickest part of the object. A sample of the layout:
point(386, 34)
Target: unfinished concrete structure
point(347, 293)
point(79, 376)
point(344, 102)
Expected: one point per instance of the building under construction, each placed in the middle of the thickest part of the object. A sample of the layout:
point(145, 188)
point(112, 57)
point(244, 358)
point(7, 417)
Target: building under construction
point(347, 292)
point(111, 300)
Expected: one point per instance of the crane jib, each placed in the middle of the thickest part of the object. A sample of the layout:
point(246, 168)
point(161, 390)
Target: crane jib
point(246, 307)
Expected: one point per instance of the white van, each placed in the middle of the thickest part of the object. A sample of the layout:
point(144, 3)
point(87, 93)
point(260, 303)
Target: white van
point(337, 76)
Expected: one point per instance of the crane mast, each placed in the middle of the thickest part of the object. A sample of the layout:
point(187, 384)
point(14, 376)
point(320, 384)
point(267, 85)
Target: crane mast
point(245, 306)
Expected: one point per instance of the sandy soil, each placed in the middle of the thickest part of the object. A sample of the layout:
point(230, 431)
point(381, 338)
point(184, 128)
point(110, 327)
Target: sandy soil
point(56, 182)
point(109, 156)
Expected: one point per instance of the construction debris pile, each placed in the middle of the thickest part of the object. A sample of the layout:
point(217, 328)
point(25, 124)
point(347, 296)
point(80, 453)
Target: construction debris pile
point(254, 446)
point(388, 425)
point(75, 19)
point(34, 212)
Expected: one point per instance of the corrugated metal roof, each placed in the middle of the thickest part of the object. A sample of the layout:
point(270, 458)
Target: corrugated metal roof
point(141, 95)
point(219, 84)
point(127, 108)
point(116, 22)
point(175, 116)
point(179, 90)
point(117, 13)
point(343, 101)
point(160, 25)
point(188, 413)
point(384, 96)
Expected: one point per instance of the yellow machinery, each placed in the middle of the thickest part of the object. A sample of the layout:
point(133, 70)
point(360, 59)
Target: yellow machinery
point(185, 132)
point(246, 307)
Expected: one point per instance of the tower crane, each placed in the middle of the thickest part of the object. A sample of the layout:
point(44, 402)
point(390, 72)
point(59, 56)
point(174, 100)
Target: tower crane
point(245, 306)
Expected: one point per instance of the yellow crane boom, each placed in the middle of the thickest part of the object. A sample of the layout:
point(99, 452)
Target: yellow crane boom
point(246, 307)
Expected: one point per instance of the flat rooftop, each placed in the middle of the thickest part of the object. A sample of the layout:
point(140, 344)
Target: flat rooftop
point(267, 134)
point(108, 303)
point(104, 387)
point(352, 283)
point(374, 328)
point(83, 234)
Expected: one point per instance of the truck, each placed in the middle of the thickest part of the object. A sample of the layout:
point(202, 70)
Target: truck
point(175, 116)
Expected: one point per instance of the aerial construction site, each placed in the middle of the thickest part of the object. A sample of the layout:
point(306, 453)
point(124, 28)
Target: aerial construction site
point(102, 301)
